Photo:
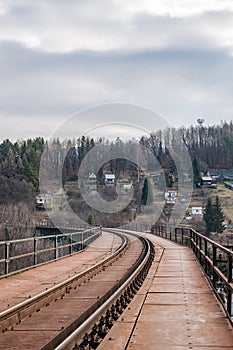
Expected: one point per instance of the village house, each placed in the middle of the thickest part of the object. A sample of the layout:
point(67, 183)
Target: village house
point(125, 185)
point(208, 181)
point(197, 211)
point(109, 179)
point(92, 183)
point(155, 178)
point(44, 201)
point(170, 196)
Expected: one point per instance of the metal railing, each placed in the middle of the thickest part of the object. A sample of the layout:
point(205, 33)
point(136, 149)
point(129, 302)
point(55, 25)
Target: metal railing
point(215, 260)
point(21, 254)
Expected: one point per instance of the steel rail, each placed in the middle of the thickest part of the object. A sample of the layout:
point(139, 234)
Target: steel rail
point(76, 336)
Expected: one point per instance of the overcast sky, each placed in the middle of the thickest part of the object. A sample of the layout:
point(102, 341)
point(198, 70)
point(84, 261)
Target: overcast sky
point(58, 57)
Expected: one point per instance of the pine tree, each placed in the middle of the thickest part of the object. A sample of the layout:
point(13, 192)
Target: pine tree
point(160, 153)
point(147, 194)
point(145, 191)
point(218, 218)
point(208, 216)
point(90, 220)
point(214, 217)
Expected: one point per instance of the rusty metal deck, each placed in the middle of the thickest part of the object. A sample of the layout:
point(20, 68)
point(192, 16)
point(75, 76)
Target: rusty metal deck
point(60, 315)
point(20, 287)
point(174, 310)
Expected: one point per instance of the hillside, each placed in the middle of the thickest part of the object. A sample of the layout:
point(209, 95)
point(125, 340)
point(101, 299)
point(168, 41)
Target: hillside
point(210, 149)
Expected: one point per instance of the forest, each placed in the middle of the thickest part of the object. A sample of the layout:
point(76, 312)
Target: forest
point(210, 147)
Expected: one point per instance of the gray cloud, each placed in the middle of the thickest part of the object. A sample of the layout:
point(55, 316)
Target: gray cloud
point(57, 59)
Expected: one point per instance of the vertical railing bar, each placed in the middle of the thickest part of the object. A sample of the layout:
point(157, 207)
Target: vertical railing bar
point(56, 247)
point(191, 238)
point(175, 234)
point(70, 244)
point(7, 257)
point(214, 250)
point(206, 254)
point(35, 251)
point(229, 280)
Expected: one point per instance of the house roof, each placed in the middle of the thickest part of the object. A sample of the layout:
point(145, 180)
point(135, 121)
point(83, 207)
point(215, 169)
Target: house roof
point(110, 176)
point(206, 178)
point(40, 200)
point(170, 190)
point(92, 176)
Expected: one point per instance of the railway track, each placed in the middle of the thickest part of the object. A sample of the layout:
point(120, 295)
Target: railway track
point(77, 313)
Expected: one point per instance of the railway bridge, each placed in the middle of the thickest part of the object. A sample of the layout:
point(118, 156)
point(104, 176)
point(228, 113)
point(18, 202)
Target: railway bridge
point(169, 289)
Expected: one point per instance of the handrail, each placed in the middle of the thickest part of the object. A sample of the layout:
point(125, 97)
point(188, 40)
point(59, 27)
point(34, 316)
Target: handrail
point(34, 251)
point(215, 260)
point(44, 295)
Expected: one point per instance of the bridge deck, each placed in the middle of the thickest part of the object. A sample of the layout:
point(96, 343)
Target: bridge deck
point(20, 287)
point(174, 310)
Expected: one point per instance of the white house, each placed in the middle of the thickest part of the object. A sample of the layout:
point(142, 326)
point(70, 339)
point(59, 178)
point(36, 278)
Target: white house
point(197, 210)
point(43, 201)
point(92, 177)
point(170, 196)
point(110, 179)
point(92, 183)
point(40, 202)
point(208, 181)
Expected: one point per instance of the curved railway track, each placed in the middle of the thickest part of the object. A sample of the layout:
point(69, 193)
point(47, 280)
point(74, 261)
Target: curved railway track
point(77, 313)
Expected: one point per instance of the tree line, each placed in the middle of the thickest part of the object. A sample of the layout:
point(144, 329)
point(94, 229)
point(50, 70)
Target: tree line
point(21, 160)
point(210, 147)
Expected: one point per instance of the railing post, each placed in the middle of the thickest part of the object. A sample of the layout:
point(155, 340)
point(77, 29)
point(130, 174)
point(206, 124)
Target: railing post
point(71, 242)
point(214, 264)
point(191, 238)
point(199, 252)
point(182, 236)
point(196, 243)
point(7, 257)
point(206, 254)
point(229, 279)
point(176, 234)
point(56, 247)
point(35, 250)
point(164, 231)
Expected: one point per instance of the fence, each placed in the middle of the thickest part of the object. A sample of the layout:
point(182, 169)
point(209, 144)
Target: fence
point(215, 259)
point(21, 254)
